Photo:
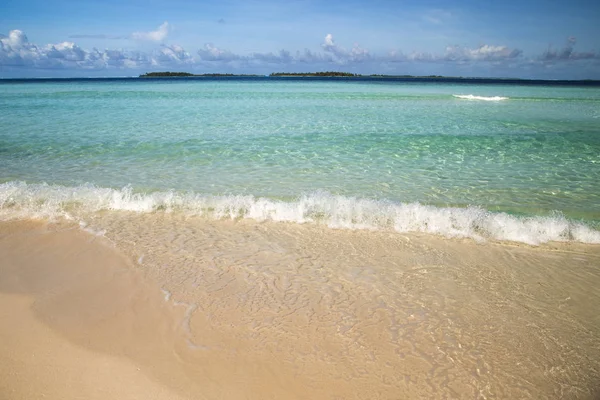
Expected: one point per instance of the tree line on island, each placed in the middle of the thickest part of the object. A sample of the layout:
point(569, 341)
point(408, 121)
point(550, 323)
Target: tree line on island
point(188, 74)
point(325, 73)
point(283, 74)
point(169, 74)
point(336, 74)
point(349, 75)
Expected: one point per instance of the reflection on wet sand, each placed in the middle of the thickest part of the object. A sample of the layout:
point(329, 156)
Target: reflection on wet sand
point(224, 309)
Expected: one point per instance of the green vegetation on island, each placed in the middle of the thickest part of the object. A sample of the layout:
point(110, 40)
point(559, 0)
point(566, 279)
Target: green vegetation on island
point(326, 73)
point(411, 76)
point(384, 76)
point(350, 75)
point(168, 74)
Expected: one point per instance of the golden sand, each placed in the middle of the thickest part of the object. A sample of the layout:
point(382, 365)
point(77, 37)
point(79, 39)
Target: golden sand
point(169, 307)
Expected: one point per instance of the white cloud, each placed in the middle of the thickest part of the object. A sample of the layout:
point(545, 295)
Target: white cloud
point(15, 38)
point(335, 54)
point(212, 53)
point(157, 36)
point(458, 54)
point(67, 51)
point(343, 56)
point(330, 46)
point(172, 55)
point(482, 53)
point(359, 54)
point(17, 51)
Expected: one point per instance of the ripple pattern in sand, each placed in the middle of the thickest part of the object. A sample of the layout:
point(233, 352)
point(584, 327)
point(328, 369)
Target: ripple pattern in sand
point(360, 315)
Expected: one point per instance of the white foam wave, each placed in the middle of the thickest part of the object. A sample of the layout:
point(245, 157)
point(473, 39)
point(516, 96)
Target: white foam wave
point(20, 200)
point(484, 98)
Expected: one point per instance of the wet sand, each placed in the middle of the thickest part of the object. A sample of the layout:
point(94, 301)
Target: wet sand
point(166, 306)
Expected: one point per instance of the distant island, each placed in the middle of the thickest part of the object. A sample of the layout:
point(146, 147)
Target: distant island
point(326, 73)
point(169, 74)
point(407, 78)
point(351, 75)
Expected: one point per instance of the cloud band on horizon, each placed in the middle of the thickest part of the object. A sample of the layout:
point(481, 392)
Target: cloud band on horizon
point(17, 51)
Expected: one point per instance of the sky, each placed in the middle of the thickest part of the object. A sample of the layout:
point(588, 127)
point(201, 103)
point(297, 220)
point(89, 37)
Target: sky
point(541, 39)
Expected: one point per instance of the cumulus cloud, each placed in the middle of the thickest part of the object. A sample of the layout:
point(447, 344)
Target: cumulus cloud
point(212, 53)
point(458, 54)
point(330, 46)
point(172, 55)
point(568, 53)
point(343, 56)
point(17, 51)
point(482, 53)
point(67, 51)
point(157, 36)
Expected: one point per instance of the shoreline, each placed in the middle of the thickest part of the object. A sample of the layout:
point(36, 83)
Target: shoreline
point(275, 310)
point(519, 225)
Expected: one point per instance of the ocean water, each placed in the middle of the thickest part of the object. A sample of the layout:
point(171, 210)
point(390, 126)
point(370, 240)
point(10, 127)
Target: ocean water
point(487, 161)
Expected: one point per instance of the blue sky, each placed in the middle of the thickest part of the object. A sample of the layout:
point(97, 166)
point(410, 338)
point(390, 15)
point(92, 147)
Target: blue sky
point(525, 39)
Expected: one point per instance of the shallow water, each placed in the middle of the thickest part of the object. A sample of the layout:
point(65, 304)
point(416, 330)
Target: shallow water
point(528, 151)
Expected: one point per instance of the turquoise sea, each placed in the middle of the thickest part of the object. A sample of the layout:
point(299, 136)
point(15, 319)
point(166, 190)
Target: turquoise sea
point(487, 161)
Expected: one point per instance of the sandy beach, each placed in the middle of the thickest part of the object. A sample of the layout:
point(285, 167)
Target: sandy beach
point(166, 307)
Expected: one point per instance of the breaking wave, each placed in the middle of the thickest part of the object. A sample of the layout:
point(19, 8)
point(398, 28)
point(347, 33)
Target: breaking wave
point(484, 98)
point(21, 200)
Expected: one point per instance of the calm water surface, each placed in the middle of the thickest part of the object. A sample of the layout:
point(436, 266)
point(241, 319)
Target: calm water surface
point(373, 151)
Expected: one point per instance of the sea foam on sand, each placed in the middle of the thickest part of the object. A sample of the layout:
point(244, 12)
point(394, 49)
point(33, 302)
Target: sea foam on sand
point(21, 200)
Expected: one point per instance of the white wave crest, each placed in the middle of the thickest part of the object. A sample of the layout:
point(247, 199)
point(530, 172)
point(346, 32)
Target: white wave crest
point(20, 200)
point(484, 98)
